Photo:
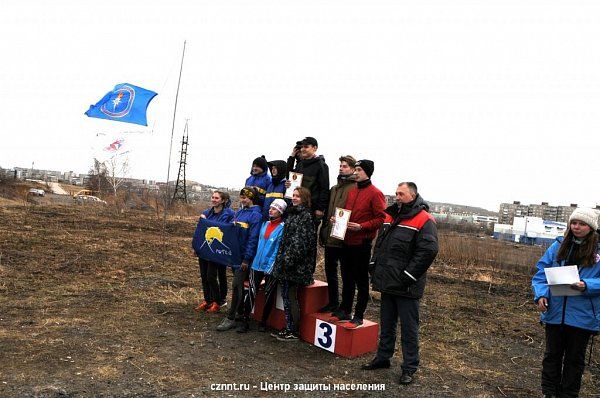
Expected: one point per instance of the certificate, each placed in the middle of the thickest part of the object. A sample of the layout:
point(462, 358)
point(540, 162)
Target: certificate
point(342, 216)
point(295, 180)
point(560, 280)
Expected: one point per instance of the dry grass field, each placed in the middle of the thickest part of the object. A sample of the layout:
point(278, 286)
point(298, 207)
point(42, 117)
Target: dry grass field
point(95, 302)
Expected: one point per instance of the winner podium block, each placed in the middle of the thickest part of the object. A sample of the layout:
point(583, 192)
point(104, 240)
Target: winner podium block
point(320, 330)
point(310, 298)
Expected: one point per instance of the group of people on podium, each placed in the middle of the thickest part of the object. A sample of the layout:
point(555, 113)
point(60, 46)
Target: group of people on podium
point(281, 248)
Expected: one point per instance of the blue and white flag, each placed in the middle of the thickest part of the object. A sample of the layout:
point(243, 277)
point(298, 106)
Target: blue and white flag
point(125, 103)
point(219, 242)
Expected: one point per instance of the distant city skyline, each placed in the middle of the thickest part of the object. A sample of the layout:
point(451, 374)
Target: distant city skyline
point(535, 209)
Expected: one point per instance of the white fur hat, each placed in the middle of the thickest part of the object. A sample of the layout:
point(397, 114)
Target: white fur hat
point(588, 216)
point(279, 205)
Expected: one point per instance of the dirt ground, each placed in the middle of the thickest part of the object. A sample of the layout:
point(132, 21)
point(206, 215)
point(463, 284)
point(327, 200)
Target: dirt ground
point(96, 303)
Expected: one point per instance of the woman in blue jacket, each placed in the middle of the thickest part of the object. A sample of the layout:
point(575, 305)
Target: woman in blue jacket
point(569, 320)
point(269, 240)
point(212, 275)
point(249, 218)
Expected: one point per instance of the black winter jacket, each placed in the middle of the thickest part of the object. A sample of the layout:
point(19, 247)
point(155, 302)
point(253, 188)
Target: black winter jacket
point(406, 246)
point(315, 177)
point(297, 252)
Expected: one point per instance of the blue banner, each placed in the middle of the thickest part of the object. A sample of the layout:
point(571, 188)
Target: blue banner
point(218, 242)
point(125, 103)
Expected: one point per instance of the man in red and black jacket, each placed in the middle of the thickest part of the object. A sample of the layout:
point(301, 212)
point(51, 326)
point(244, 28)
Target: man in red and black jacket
point(367, 204)
point(406, 246)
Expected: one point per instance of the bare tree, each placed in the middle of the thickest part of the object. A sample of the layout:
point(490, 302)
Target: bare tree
point(117, 169)
point(98, 181)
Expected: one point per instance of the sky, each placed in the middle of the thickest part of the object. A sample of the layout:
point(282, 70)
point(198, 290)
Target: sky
point(478, 102)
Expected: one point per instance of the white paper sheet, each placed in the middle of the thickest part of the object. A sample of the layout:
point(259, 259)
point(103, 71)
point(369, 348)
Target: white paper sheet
point(562, 275)
point(560, 280)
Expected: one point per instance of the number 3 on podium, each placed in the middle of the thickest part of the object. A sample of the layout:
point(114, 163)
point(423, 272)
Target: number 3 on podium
point(325, 335)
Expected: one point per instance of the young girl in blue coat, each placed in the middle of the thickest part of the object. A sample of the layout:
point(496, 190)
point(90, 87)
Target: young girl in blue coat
point(569, 320)
point(269, 240)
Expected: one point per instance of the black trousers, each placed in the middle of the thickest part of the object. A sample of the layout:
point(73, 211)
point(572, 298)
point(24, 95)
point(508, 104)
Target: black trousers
point(270, 295)
point(355, 275)
point(291, 307)
point(213, 277)
point(564, 360)
point(237, 296)
point(333, 255)
point(407, 310)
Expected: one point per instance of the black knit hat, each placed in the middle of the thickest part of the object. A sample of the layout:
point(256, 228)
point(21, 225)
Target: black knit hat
point(367, 165)
point(260, 162)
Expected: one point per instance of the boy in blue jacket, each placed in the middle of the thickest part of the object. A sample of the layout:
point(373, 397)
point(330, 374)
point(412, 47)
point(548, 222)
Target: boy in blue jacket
point(259, 178)
point(276, 189)
point(248, 217)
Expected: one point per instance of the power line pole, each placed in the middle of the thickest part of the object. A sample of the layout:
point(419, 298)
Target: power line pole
point(180, 193)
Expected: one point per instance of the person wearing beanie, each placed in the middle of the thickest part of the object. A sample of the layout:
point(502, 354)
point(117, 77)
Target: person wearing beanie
point(367, 205)
point(276, 189)
point(249, 218)
point(259, 177)
point(338, 194)
point(368, 166)
point(315, 174)
point(269, 239)
point(588, 216)
point(569, 320)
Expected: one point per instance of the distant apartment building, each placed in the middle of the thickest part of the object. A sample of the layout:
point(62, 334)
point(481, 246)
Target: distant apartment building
point(508, 212)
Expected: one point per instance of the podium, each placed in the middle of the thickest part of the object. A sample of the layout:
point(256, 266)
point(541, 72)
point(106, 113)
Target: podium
point(335, 337)
point(318, 328)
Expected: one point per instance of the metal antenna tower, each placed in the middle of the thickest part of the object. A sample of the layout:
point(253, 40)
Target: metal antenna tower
point(180, 193)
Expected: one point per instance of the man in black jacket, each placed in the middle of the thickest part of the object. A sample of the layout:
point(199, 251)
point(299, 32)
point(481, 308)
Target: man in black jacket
point(315, 173)
point(406, 246)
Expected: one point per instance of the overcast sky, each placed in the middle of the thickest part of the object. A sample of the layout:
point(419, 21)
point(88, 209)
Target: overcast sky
point(478, 102)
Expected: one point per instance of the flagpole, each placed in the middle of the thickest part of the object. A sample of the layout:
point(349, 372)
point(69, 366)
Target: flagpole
point(168, 195)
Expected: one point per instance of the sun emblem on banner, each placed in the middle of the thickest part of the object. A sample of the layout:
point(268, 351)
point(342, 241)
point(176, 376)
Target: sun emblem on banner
point(213, 238)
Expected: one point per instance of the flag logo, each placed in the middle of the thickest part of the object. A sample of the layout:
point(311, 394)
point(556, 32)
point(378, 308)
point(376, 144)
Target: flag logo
point(115, 146)
point(119, 103)
point(211, 235)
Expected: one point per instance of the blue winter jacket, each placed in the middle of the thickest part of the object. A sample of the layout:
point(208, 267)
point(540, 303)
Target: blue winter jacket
point(249, 218)
point(578, 311)
point(267, 248)
point(261, 182)
point(225, 215)
point(274, 192)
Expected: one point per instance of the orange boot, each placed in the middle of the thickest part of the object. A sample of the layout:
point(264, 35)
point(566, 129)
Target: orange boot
point(214, 308)
point(202, 306)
